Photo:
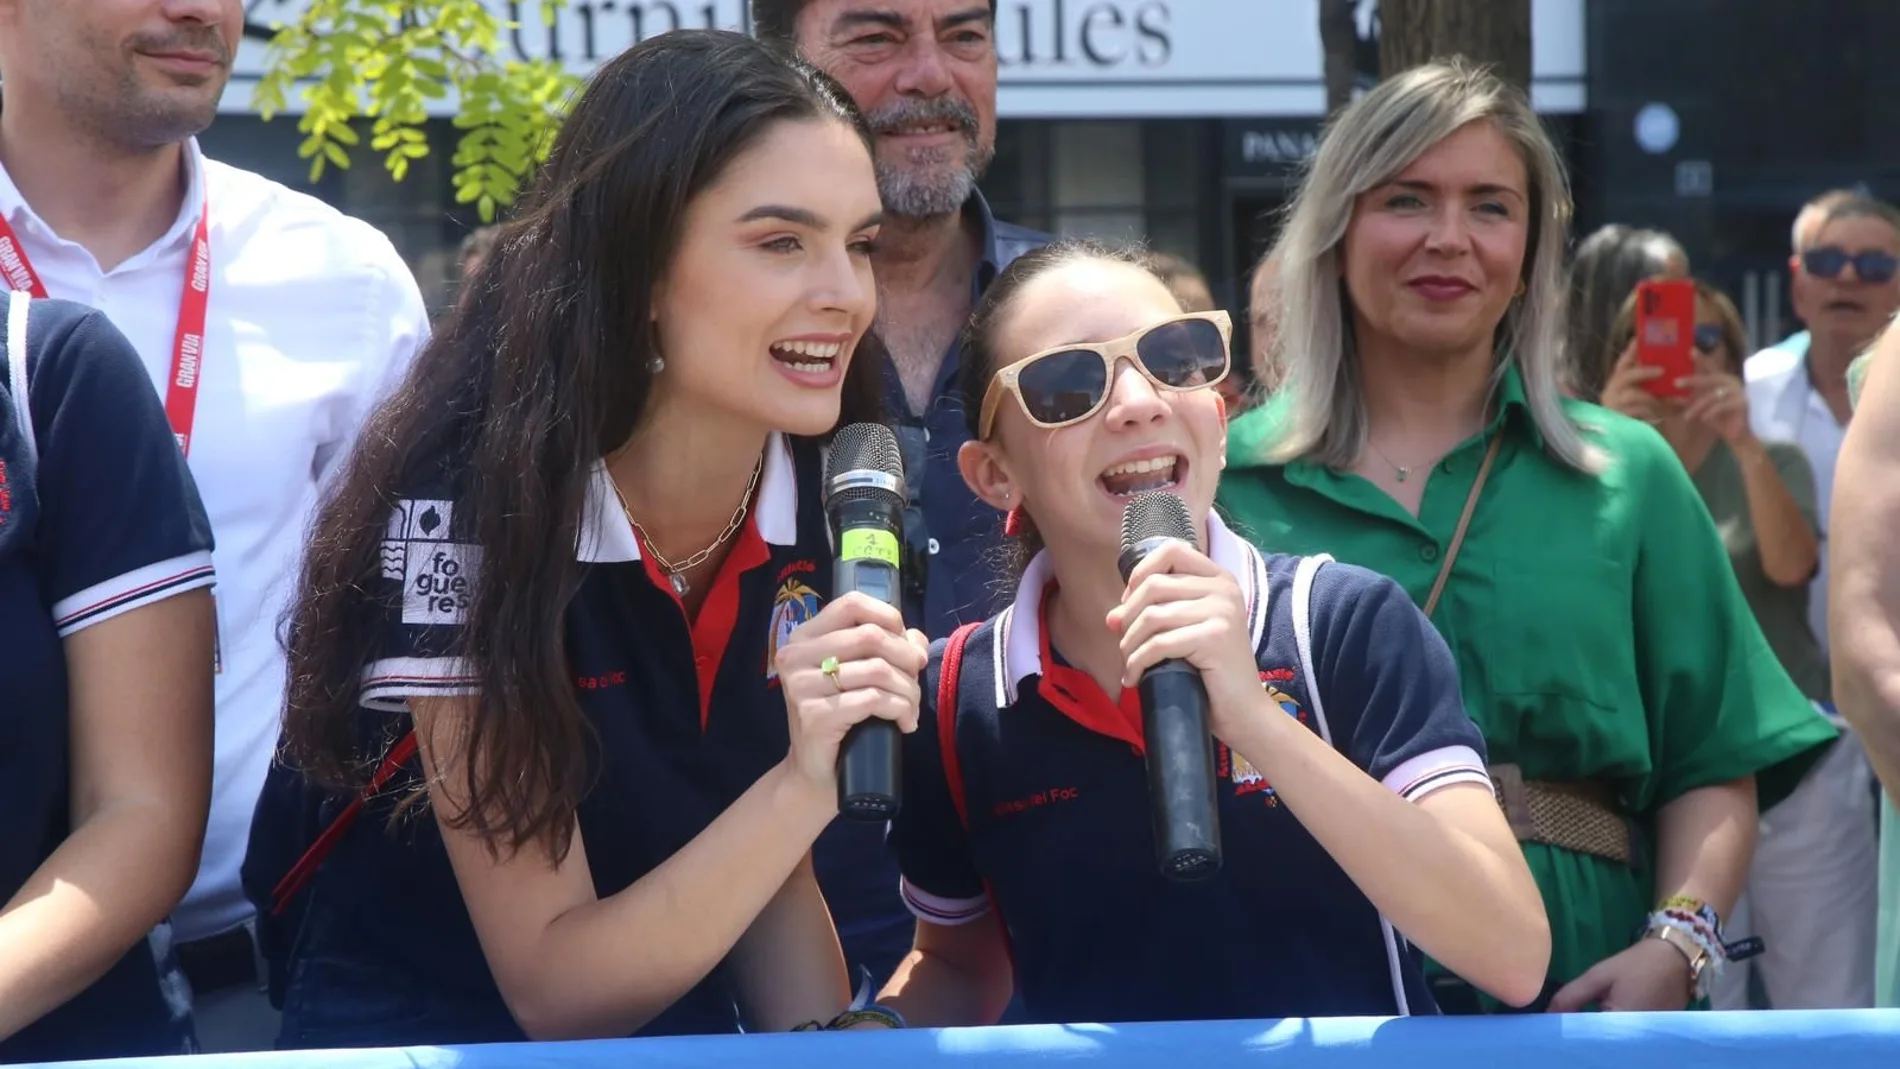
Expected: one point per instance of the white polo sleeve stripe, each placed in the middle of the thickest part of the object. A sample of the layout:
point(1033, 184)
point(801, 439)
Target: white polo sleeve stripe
point(388, 684)
point(948, 912)
point(1437, 769)
point(136, 588)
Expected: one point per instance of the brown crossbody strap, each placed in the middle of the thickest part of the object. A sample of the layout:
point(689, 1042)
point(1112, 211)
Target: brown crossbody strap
point(1464, 523)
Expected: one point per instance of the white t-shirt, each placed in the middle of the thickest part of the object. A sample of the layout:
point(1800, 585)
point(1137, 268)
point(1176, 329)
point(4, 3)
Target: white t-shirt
point(312, 314)
point(1783, 406)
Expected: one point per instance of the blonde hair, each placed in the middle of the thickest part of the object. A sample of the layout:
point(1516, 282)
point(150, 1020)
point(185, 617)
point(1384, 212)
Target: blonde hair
point(1367, 145)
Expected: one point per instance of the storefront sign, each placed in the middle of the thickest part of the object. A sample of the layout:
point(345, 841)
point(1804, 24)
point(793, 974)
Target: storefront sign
point(1059, 58)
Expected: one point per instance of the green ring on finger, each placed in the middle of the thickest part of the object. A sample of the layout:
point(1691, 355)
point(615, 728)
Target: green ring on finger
point(829, 666)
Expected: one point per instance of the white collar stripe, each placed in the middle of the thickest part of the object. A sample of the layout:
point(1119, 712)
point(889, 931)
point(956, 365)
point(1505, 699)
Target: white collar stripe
point(999, 641)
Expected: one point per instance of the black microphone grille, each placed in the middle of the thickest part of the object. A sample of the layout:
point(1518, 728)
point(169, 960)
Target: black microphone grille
point(1156, 514)
point(864, 448)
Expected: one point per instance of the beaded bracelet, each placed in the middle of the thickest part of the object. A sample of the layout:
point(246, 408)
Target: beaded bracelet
point(1696, 919)
point(1700, 912)
point(883, 1015)
point(861, 1010)
point(1711, 948)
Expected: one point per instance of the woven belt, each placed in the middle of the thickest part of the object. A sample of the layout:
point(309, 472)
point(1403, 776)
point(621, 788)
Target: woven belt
point(1582, 816)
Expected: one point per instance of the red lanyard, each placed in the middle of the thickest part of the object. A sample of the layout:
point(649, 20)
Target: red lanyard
point(181, 393)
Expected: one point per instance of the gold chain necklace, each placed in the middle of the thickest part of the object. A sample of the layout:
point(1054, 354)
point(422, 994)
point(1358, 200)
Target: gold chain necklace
point(1400, 470)
point(676, 573)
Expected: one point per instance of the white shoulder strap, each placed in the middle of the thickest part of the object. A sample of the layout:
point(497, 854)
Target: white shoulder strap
point(16, 368)
point(1303, 635)
point(1303, 638)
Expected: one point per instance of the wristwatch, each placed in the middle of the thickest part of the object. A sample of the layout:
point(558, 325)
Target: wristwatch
point(1698, 956)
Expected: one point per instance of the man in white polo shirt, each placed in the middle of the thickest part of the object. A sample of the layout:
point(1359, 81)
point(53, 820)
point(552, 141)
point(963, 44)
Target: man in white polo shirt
point(1845, 287)
point(1812, 882)
point(268, 322)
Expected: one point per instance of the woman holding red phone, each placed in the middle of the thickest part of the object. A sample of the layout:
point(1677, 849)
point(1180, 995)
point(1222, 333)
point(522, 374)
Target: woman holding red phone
point(1762, 496)
point(1764, 489)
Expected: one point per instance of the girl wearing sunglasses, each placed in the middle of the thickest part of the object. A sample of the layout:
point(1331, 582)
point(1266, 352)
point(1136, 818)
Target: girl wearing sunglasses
point(1352, 799)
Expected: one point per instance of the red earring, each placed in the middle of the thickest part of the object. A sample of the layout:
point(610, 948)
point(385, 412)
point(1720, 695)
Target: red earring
point(1015, 523)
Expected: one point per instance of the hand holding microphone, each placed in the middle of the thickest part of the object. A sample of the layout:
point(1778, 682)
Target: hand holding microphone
point(1183, 627)
point(850, 674)
point(864, 503)
point(849, 668)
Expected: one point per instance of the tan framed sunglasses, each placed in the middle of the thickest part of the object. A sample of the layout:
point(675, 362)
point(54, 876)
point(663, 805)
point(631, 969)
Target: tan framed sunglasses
point(1070, 383)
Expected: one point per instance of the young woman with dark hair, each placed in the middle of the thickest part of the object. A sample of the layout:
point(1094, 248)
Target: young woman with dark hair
point(1359, 826)
point(582, 553)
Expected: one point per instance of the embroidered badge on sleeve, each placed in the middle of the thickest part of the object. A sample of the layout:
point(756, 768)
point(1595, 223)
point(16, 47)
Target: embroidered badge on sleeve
point(437, 573)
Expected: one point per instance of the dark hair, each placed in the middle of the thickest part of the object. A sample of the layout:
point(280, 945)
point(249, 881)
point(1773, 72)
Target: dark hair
point(526, 386)
point(777, 20)
point(978, 359)
point(1607, 266)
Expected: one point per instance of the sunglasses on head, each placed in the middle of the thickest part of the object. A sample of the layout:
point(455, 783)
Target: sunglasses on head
point(1070, 383)
point(1708, 337)
point(1871, 265)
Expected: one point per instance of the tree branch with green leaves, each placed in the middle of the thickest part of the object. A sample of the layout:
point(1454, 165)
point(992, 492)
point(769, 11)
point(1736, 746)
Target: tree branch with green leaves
point(385, 62)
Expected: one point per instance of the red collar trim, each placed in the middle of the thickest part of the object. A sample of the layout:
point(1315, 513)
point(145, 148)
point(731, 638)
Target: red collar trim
point(1075, 694)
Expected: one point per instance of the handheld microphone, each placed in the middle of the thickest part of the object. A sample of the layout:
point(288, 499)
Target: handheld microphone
point(1180, 747)
point(864, 502)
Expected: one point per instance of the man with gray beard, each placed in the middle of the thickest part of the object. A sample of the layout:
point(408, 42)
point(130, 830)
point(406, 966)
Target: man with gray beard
point(924, 73)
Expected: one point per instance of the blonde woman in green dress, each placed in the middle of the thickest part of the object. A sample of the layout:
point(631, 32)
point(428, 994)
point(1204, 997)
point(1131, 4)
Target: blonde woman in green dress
point(1634, 715)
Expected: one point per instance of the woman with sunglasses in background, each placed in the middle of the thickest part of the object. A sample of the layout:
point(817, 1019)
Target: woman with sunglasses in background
point(1350, 783)
point(1760, 493)
point(1604, 272)
point(1811, 884)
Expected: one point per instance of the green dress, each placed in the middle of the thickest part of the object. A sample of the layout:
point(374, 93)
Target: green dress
point(1596, 622)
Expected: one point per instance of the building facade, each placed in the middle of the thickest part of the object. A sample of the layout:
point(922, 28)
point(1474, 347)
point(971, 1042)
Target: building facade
point(1177, 122)
point(1716, 120)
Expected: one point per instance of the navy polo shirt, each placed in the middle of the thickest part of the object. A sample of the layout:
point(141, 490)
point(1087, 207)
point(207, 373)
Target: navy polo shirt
point(952, 545)
point(688, 716)
point(98, 516)
point(1059, 833)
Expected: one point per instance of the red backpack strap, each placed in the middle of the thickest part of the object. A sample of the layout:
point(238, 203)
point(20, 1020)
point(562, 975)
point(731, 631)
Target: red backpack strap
point(950, 673)
point(305, 869)
point(948, 676)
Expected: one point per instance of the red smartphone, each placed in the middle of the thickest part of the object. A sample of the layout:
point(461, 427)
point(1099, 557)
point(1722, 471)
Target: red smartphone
point(1665, 332)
